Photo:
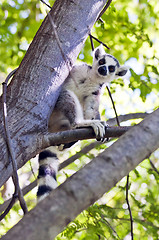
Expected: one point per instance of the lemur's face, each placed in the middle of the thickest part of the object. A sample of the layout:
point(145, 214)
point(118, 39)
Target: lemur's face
point(107, 66)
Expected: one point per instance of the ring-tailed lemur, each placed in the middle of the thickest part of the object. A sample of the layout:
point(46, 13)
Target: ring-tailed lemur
point(77, 106)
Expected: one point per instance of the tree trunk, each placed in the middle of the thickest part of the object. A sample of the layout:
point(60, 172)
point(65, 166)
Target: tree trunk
point(81, 190)
point(35, 87)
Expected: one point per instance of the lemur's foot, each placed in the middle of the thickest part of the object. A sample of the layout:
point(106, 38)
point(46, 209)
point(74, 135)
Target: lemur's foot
point(98, 126)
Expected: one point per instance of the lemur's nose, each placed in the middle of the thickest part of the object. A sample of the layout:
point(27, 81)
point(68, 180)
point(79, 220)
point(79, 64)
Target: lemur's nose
point(102, 70)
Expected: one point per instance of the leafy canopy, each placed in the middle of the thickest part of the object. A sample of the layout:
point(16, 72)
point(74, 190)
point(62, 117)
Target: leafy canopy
point(130, 29)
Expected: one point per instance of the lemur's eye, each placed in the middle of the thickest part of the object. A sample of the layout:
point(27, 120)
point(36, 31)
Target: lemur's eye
point(111, 68)
point(102, 61)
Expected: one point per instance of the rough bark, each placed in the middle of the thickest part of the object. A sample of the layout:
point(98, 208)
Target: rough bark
point(52, 139)
point(76, 135)
point(35, 87)
point(81, 190)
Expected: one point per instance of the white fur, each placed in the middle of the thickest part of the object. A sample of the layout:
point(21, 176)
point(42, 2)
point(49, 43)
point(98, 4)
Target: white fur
point(83, 81)
point(52, 162)
point(48, 181)
point(78, 103)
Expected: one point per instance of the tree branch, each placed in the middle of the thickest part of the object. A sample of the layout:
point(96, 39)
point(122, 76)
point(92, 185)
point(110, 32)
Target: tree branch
point(116, 132)
point(35, 87)
point(79, 154)
point(52, 139)
point(126, 117)
point(64, 164)
point(89, 183)
point(104, 9)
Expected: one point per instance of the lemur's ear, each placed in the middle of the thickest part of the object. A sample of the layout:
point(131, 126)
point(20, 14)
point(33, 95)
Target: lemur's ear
point(121, 71)
point(98, 52)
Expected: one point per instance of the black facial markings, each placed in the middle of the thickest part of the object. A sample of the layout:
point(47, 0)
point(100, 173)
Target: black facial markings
point(111, 68)
point(101, 61)
point(46, 154)
point(102, 70)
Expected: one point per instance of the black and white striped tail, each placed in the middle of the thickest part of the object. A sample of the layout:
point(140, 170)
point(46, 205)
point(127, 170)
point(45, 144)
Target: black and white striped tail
point(48, 167)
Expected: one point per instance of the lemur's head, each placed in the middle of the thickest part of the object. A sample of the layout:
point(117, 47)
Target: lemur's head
point(107, 66)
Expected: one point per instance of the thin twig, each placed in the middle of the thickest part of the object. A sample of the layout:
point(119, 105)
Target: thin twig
point(105, 221)
point(99, 41)
point(129, 208)
point(11, 203)
point(153, 166)
point(101, 13)
point(91, 40)
point(56, 35)
point(15, 178)
point(46, 4)
point(25, 190)
point(116, 115)
point(128, 219)
point(104, 9)
point(32, 170)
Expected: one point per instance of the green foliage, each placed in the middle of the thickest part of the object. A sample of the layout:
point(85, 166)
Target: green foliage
point(19, 22)
point(130, 29)
point(111, 220)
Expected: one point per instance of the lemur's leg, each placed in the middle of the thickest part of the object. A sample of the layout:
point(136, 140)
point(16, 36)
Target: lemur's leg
point(82, 117)
point(48, 167)
point(65, 114)
point(91, 107)
point(69, 105)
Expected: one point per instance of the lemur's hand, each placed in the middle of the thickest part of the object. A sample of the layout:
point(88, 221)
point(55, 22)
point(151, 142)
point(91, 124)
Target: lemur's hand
point(98, 126)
